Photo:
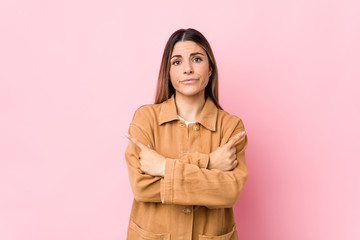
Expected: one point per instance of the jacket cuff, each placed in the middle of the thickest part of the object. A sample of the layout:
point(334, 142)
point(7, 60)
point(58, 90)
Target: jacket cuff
point(166, 183)
point(204, 160)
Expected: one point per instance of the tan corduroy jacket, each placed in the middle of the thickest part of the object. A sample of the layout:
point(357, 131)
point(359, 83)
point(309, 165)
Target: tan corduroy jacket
point(190, 202)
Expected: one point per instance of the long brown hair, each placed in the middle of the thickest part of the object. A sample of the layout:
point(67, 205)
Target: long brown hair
point(164, 88)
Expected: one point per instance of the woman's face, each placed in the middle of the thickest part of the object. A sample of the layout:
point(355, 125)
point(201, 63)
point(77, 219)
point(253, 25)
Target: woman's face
point(189, 68)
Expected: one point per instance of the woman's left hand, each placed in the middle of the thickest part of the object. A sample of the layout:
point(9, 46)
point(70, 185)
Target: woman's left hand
point(151, 162)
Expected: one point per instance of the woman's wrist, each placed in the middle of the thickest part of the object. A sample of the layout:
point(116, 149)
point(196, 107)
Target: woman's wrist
point(162, 167)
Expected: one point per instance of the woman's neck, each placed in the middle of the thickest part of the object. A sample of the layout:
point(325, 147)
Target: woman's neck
point(189, 107)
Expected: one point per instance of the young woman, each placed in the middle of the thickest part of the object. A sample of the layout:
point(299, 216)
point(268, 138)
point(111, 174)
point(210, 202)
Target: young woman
point(186, 155)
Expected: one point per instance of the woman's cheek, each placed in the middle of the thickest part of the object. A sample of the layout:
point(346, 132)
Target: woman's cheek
point(172, 74)
point(175, 72)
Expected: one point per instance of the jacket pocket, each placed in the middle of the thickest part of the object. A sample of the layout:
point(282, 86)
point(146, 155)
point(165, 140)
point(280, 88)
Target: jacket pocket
point(227, 236)
point(137, 233)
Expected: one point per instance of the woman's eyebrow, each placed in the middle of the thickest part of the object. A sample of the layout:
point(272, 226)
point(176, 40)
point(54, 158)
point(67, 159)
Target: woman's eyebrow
point(192, 54)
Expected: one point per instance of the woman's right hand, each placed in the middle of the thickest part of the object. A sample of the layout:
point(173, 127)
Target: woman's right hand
point(224, 157)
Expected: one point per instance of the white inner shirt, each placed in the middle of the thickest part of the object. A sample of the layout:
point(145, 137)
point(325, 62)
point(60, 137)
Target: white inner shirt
point(186, 122)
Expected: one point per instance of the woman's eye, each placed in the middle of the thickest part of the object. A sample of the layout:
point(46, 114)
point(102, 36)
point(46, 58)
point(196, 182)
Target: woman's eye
point(197, 59)
point(175, 62)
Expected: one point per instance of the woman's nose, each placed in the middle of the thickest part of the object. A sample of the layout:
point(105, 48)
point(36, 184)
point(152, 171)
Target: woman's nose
point(187, 68)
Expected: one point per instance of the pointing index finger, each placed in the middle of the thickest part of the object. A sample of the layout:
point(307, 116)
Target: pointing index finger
point(234, 139)
point(134, 140)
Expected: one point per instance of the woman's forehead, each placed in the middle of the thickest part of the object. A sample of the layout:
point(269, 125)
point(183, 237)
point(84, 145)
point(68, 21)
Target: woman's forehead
point(187, 47)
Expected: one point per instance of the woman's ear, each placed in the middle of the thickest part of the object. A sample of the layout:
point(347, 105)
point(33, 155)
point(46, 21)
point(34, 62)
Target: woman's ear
point(210, 72)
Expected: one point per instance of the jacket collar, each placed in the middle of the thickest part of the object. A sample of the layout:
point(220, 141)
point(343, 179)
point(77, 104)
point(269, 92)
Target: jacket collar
point(207, 117)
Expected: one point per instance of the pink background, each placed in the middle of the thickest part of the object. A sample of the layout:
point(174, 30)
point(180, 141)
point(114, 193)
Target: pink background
point(73, 73)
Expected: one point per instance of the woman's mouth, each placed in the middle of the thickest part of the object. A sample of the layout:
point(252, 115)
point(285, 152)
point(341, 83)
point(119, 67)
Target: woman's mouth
point(189, 81)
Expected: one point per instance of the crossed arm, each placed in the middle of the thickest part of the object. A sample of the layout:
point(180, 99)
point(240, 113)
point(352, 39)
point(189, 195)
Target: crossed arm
point(153, 163)
point(213, 180)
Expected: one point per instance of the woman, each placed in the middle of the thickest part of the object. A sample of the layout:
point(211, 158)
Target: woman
point(186, 155)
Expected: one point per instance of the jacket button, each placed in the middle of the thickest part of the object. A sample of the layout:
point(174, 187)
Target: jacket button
point(187, 210)
point(196, 128)
point(181, 124)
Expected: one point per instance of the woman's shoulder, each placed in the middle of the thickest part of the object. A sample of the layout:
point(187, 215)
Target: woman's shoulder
point(146, 112)
point(229, 122)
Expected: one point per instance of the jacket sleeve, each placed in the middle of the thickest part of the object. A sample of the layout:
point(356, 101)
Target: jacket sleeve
point(145, 187)
point(187, 184)
point(186, 181)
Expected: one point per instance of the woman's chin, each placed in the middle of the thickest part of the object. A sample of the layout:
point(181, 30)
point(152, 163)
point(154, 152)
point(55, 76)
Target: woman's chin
point(193, 93)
